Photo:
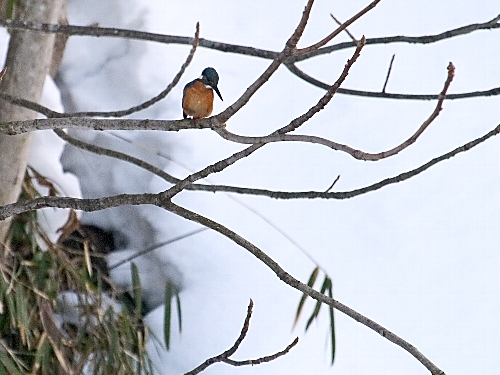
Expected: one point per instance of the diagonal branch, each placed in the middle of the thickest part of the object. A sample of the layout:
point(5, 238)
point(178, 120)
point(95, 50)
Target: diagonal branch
point(278, 60)
point(294, 283)
point(341, 28)
point(117, 155)
point(358, 154)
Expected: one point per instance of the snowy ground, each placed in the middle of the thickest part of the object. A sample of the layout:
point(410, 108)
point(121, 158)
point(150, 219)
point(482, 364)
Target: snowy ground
point(418, 257)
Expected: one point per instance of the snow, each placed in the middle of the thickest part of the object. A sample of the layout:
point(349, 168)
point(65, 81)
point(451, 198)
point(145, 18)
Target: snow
point(419, 257)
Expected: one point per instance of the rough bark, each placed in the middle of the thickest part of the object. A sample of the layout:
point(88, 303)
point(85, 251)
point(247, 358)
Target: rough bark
point(28, 61)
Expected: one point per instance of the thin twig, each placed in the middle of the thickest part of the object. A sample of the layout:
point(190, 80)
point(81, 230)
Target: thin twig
point(154, 247)
point(332, 185)
point(224, 357)
point(388, 73)
point(294, 283)
point(258, 361)
point(341, 28)
point(377, 94)
point(347, 31)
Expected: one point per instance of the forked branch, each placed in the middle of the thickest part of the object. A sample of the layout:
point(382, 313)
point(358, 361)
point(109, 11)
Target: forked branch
point(224, 357)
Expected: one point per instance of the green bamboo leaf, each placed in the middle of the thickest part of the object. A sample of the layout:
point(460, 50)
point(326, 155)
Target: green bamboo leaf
point(136, 285)
point(42, 357)
point(179, 312)
point(317, 308)
point(168, 313)
point(332, 324)
point(22, 313)
point(310, 283)
point(42, 259)
point(9, 364)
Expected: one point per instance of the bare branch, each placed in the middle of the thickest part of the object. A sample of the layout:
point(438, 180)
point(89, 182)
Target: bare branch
point(150, 102)
point(258, 361)
point(341, 28)
point(234, 48)
point(331, 187)
point(426, 39)
point(294, 283)
point(224, 357)
point(137, 199)
point(19, 127)
point(376, 94)
point(117, 155)
point(361, 155)
point(95, 204)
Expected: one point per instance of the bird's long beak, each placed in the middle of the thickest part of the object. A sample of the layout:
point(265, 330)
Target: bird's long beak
point(217, 91)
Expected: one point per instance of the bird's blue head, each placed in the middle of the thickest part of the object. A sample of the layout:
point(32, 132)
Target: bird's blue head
point(212, 78)
point(211, 75)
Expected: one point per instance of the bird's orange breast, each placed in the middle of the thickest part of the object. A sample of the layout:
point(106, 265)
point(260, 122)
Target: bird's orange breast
point(198, 100)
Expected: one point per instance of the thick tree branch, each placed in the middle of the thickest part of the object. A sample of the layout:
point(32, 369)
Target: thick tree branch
point(234, 48)
point(294, 283)
point(137, 199)
point(89, 205)
point(19, 127)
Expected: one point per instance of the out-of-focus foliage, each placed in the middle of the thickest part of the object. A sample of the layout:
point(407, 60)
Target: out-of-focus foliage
point(36, 337)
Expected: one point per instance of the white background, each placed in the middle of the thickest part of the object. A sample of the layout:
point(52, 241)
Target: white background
point(419, 257)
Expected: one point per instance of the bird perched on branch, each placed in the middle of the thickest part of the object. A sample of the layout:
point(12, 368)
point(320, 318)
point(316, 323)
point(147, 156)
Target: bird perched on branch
point(198, 97)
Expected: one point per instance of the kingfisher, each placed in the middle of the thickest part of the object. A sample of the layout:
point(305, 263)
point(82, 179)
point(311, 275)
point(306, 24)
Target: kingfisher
point(198, 96)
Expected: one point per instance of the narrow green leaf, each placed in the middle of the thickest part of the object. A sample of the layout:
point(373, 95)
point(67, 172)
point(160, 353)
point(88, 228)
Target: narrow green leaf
point(327, 282)
point(136, 285)
point(332, 324)
point(179, 312)
point(42, 357)
point(9, 364)
point(314, 314)
point(168, 313)
point(310, 283)
point(22, 312)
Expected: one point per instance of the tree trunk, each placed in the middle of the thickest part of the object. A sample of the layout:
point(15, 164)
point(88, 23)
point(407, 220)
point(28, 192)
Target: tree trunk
point(27, 63)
